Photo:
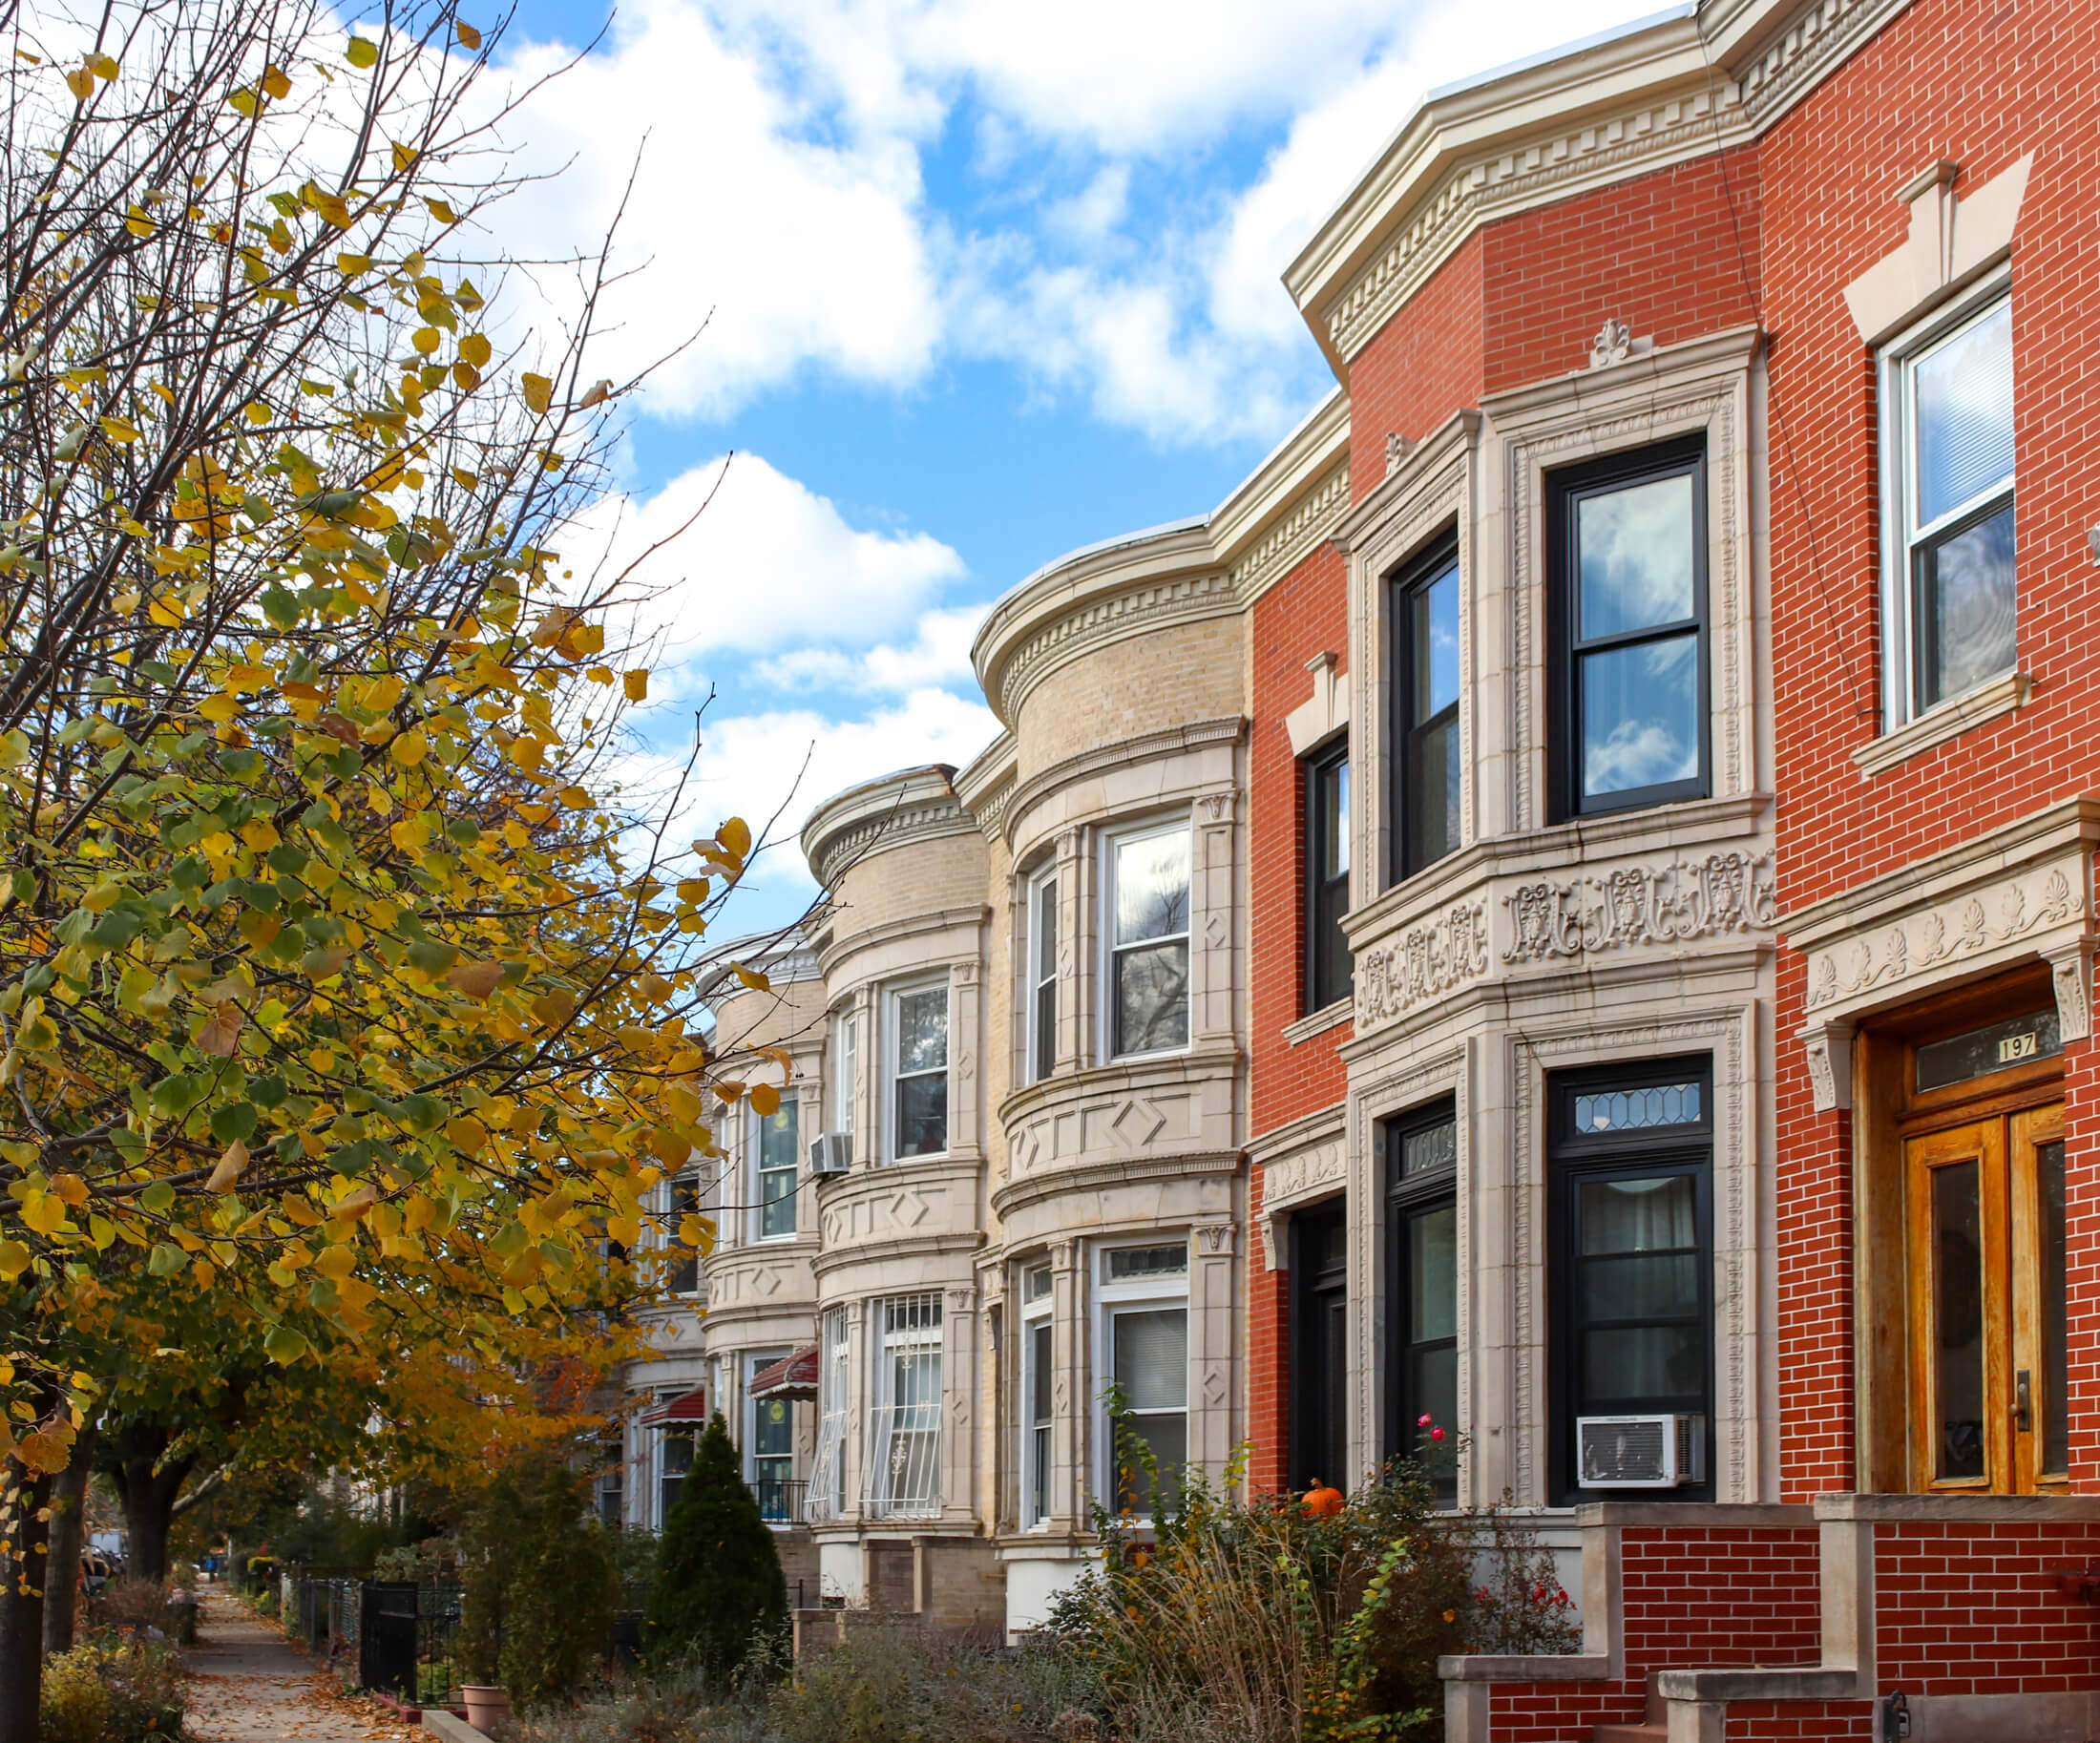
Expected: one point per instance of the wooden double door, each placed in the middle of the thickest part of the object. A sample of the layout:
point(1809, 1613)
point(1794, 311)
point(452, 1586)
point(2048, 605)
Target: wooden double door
point(1988, 1303)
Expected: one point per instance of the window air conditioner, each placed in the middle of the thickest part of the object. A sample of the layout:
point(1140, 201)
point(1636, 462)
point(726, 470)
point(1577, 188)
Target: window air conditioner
point(1640, 1452)
point(832, 1154)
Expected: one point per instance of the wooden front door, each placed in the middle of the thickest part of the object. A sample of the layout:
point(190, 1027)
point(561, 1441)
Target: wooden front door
point(1987, 1320)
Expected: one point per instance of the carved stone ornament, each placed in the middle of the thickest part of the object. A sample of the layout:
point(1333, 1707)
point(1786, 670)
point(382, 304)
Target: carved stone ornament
point(1655, 905)
point(1426, 962)
point(2070, 971)
point(1615, 342)
point(1828, 1049)
point(1396, 450)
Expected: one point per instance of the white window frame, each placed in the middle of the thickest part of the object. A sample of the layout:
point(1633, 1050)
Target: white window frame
point(1112, 842)
point(1135, 1295)
point(888, 1419)
point(1038, 974)
point(759, 1172)
point(846, 1072)
point(893, 1042)
point(1899, 535)
point(1038, 1440)
point(825, 1498)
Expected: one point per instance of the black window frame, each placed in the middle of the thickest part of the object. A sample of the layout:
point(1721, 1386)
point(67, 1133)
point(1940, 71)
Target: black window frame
point(1567, 489)
point(1330, 972)
point(1418, 575)
point(1319, 1285)
point(1573, 1158)
point(1407, 1197)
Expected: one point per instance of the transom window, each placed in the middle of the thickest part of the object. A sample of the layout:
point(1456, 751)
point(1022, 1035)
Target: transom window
point(1148, 909)
point(1626, 547)
point(777, 1145)
point(1948, 428)
point(1425, 663)
point(919, 1070)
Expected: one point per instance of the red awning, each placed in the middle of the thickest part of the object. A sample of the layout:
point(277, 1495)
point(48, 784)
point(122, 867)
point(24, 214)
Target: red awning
point(692, 1407)
point(792, 1376)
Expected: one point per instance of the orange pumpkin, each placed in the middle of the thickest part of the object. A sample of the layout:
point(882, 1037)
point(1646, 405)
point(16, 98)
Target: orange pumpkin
point(1322, 1501)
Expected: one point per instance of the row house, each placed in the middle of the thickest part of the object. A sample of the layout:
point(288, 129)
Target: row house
point(1563, 909)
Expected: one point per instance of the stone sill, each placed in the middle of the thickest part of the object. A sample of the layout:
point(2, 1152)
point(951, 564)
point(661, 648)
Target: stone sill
point(1962, 1509)
point(1327, 1017)
point(1949, 720)
point(1522, 1668)
point(1774, 1683)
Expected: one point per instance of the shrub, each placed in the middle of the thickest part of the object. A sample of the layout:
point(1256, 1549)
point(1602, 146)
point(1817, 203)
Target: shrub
point(100, 1693)
point(133, 1607)
point(718, 1582)
point(893, 1683)
point(538, 1585)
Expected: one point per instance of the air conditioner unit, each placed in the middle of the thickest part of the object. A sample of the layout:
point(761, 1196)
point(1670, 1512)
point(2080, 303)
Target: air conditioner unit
point(1640, 1452)
point(832, 1154)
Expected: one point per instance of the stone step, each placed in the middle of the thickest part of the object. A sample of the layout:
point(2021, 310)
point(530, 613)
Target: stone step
point(1655, 1731)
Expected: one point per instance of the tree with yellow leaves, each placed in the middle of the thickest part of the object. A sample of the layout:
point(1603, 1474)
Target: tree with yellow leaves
point(344, 992)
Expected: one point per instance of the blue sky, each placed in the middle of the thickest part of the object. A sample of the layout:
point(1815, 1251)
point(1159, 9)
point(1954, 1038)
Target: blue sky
point(984, 280)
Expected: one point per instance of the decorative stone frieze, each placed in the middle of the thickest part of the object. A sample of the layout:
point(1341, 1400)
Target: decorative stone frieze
point(1426, 962)
point(1672, 903)
point(1301, 1163)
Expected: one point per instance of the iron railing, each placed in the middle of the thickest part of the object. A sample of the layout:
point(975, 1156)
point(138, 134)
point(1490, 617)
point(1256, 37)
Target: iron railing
point(782, 1500)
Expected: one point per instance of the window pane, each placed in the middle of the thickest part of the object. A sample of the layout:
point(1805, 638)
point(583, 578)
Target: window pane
point(775, 1430)
point(1432, 1392)
point(922, 1030)
point(1151, 1358)
point(776, 1138)
point(1046, 1029)
point(1638, 1215)
point(1039, 1376)
point(1433, 1147)
point(1432, 793)
point(2049, 1170)
point(1619, 1110)
point(1168, 1435)
point(1958, 1318)
point(1432, 639)
point(1152, 887)
point(1966, 609)
point(922, 1115)
point(1152, 998)
point(1334, 820)
point(1640, 715)
point(1432, 1274)
point(1965, 416)
point(1641, 1286)
point(1636, 557)
point(849, 1072)
point(1128, 1263)
point(1642, 1362)
point(776, 1210)
point(1046, 929)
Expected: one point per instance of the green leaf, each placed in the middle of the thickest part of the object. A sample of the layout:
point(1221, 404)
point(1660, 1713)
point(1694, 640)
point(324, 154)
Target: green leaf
point(282, 608)
point(174, 1096)
point(284, 1345)
point(157, 1199)
point(422, 1114)
point(165, 1260)
point(236, 1119)
point(266, 1092)
point(431, 957)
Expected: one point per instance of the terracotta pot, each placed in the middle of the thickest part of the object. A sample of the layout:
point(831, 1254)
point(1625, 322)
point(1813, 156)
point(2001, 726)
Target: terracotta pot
point(485, 1706)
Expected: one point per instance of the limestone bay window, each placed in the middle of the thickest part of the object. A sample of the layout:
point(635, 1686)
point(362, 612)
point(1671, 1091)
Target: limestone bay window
point(1146, 879)
point(1627, 561)
point(1143, 1295)
point(1629, 1166)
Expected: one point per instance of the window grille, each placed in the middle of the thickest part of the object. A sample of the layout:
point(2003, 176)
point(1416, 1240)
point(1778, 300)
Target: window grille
point(904, 1427)
point(826, 1499)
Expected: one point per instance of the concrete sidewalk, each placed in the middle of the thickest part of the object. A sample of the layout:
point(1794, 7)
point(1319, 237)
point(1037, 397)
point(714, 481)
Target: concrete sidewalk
point(249, 1685)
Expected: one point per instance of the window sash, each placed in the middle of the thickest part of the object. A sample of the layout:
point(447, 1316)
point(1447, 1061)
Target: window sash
point(1427, 732)
point(1161, 1422)
point(1164, 1028)
point(1036, 1414)
point(776, 1171)
point(827, 1491)
point(1330, 970)
point(918, 1097)
point(847, 1073)
point(1042, 979)
point(682, 1274)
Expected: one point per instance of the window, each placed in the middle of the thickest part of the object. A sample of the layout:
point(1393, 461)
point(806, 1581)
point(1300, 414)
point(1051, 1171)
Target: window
point(1632, 1243)
point(1319, 1347)
point(1042, 978)
point(1145, 1308)
point(1947, 429)
point(674, 1458)
point(904, 1437)
point(775, 1146)
point(1038, 1381)
point(1422, 1169)
point(1627, 550)
point(1148, 942)
point(846, 1075)
point(1327, 968)
point(1425, 714)
point(681, 1263)
point(772, 1451)
point(919, 1071)
point(612, 1477)
point(826, 1493)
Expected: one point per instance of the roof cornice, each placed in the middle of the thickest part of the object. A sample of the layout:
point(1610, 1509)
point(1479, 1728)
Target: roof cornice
point(910, 805)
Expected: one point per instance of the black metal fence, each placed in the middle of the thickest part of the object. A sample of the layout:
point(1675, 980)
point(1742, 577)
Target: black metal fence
point(405, 1642)
point(782, 1501)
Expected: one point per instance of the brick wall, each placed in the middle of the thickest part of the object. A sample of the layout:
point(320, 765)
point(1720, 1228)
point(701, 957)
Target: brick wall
point(1423, 364)
point(1304, 613)
point(1973, 1609)
point(1980, 86)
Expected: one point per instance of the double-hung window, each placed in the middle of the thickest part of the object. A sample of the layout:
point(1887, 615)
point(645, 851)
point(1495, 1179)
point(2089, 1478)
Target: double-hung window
point(1627, 543)
point(774, 1145)
point(1327, 959)
point(1148, 912)
point(918, 1071)
point(904, 1447)
point(1145, 1309)
point(1042, 978)
point(675, 1445)
point(1947, 431)
point(1425, 725)
point(846, 1076)
point(1038, 1387)
point(826, 1496)
point(682, 1262)
point(773, 1450)
point(1421, 1172)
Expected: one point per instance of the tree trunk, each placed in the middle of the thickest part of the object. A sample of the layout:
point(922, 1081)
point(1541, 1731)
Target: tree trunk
point(22, 1577)
point(148, 1483)
point(69, 1505)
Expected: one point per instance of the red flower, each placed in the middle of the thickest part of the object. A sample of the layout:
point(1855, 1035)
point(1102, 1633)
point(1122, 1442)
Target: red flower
point(1435, 1433)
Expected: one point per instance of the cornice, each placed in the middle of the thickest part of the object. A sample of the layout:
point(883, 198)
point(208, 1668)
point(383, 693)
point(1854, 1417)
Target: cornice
point(1660, 93)
point(1020, 800)
point(1279, 1140)
point(987, 785)
point(911, 926)
point(910, 805)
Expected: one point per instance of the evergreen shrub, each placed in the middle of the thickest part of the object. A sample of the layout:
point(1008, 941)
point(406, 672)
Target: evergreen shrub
point(718, 1585)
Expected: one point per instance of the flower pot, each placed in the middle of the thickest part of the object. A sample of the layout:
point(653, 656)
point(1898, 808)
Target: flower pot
point(486, 1707)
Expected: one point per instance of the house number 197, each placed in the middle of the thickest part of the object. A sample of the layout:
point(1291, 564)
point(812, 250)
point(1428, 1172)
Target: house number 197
point(2017, 1047)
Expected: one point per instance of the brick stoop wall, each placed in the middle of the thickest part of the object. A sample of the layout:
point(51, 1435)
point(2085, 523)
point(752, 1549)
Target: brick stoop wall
point(1784, 1623)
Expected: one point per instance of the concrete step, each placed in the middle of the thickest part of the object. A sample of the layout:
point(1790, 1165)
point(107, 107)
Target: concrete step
point(1654, 1732)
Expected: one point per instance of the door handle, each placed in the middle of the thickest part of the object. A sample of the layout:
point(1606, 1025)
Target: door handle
point(2023, 1402)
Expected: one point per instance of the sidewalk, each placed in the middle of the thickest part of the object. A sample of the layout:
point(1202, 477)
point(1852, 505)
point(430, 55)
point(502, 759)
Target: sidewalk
point(249, 1685)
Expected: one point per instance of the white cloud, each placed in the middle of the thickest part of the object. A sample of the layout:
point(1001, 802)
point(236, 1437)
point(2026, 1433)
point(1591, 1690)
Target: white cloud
point(938, 655)
point(766, 565)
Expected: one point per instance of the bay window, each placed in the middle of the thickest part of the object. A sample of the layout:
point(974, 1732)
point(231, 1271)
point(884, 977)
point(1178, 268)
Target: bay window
point(1144, 1315)
point(918, 1071)
point(904, 1426)
point(1425, 709)
point(1148, 914)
